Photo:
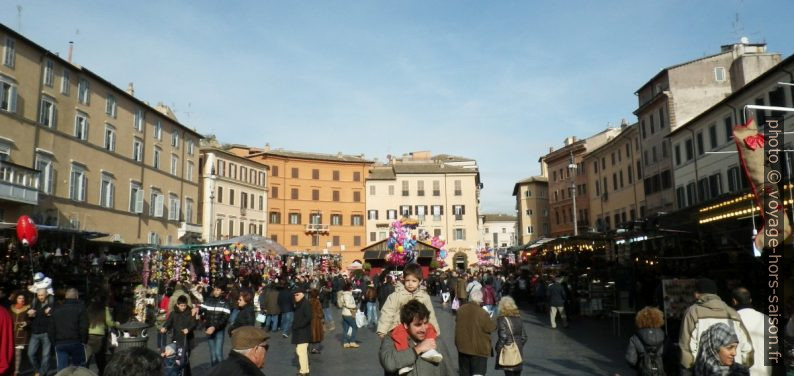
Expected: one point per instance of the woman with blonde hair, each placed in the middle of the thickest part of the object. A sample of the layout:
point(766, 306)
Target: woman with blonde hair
point(510, 329)
point(645, 348)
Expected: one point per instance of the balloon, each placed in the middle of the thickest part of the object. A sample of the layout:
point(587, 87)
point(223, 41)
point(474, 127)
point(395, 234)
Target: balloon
point(443, 253)
point(27, 233)
point(400, 248)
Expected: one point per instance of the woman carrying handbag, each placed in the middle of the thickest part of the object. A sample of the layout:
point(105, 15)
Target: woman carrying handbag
point(511, 338)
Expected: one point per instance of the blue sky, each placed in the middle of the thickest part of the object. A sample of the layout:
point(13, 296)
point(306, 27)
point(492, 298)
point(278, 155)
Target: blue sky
point(498, 81)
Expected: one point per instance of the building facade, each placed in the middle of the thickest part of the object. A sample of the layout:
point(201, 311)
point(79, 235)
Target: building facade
point(233, 195)
point(498, 230)
point(532, 206)
point(444, 199)
point(568, 176)
point(679, 93)
point(78, 152)
point(614, 174)
point(316, 201)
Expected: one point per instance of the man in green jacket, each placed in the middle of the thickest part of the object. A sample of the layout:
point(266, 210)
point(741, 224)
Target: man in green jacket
point(405, 359)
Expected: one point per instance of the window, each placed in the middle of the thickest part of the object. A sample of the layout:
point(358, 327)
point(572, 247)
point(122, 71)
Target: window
point(156, 158)
point(251, 200)
point(231, 197)
point(136, 198)
point(231, 228)
point(650, 117)
point(715, 185)
point(690, 153)
point(261, 202)
point(294, 218)
point(188, 210)
point(156, 204)
point(293, 240)
point(677, 154)
point(372, 214)
point(275, 218)
point(294, 173)
point(107, 191)
point(315, 194)
point(703, 189)
point(459, 234)
point(273, 192)
point(77, 183)
point(336, 219)
point(137, 150)
point(373, 236)
point(598, 188)
point(173, 207)
point(420, 188)
point(83, 91)
point(110, 106)
point(661, 119)
point(613, 158)
point(242, 228)
point(8, 94)
point(405, 188)
point(243, 200)
point(356, 220)
point(667, 179)
point(47, 170)
point(728, 125)
point(137, 120)
point(274, 170)
point(372, 190)
point(190, 170)
point(335, 196)
point(154, 238)
point(191, 146)
point(631, 174)
point(356, 240)
point(9, 52)
point(81, 126)
point(175, 138)
point(356, 176)
point(110, 137)
point(701, 149)
point(293, 193)
point(48, 68)
point(719, 74)
point(335, 175)
point(458, 190)
point(713, 136)
point(356, 196)
point(65, 84)
point(158, 130)
point(48, 113)
point(220, 195)
point(335, 241)
point(315, 174)
point(174, 164)
point(458, 211)
point(406, 210)
point(391, 214)
point(621, 178)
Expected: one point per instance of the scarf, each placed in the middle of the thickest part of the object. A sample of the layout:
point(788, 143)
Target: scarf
point(708, 361)
point(401, 338)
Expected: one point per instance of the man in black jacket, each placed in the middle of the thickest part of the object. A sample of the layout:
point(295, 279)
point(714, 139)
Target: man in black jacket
point(215, 311)
point(286, 306)
point(40, 313)
point(249, 350)
point(68, 330)
point(302, 330)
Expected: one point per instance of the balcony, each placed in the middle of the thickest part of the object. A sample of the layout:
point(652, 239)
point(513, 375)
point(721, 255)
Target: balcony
point(315, 228)
point(19, 183)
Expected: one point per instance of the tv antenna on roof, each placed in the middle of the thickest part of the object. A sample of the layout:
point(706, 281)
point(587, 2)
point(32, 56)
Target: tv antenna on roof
point(19, 19)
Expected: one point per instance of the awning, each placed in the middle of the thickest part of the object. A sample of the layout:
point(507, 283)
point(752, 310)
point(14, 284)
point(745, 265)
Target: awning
point(375, 255)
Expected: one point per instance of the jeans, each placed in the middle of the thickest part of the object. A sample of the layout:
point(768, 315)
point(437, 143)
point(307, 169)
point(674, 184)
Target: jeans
point(329, 318)
point(553, 314)
point(349, 322)
point(372, 313)
point(286, 322)
point(43, 340)
point(271, 323)
point(71, 354)
point(215, 340)
point(471, 365)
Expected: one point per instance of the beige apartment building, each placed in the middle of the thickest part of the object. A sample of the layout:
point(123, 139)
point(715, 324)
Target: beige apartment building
point(679, 93)
point(498, 230)
point(443, 199)
point(77, 152)
point(567, 175)
point(532, 205)
point(233, 194)
point(316, 201)
point(615, 177)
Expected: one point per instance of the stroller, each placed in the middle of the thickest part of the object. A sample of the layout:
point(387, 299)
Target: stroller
point(175, 359)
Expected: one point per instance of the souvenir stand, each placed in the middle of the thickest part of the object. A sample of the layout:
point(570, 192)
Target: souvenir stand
point(306, 263)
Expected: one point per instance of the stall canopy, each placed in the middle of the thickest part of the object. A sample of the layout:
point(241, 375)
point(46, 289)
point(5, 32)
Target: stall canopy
point(379, 250)
point(252, 242)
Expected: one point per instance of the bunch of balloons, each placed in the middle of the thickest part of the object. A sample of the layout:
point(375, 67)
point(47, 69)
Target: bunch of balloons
point(484, 256)
point(401, 244)
point(442, 253)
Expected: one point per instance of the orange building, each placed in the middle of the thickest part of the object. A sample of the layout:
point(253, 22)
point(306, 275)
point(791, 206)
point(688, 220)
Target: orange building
point(316, 201)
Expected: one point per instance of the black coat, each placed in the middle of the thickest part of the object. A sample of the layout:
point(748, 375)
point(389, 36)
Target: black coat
point(236, 364)
point(285, 301)
point(383, 293)
point(181, 320)
point(69, 323)
point(302, 322)
point(504, 338)
point(244, 318)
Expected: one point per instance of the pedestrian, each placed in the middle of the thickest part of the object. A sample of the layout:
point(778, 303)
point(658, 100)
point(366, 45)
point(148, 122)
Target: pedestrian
point(646, 347)
point(460, 289)
point(19, 313)
point(489, 298)
point(384, 290)
point(99, 323)
point(717, 353)
point(556, 295)
point(755, 322)
point(245, 309)
point(248, 355)
point(136, 361)
point(68, 331)
point(371, 299)
point(6, 342)
point(349, 309)
point(40, 314)
point(181, 324)
point(302, 329)
point(473, 329)
point(272, 309)
point(708, 310)
point(215, 313)
point(403, 357)
point(285, 303)
point(510, 330)
point(325, 300)
point(318, 321)
point(473, 285)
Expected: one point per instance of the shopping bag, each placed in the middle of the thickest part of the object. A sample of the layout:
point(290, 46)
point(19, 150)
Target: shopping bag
point(455, 304)
point(260, 318)
point(361, 319)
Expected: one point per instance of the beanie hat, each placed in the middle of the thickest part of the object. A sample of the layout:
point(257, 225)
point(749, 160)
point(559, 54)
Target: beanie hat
point(706, 286)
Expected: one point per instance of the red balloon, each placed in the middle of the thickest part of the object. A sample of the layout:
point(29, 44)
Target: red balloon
point(27, 233)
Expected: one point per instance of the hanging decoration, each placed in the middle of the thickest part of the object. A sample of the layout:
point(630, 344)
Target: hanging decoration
point(441, 255)
point(485, 256)
point(401, 243)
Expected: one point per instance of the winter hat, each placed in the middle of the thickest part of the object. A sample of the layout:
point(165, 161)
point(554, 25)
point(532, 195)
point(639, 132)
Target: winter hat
point(248, 337)
point(706, 286)
point(170, 349)
point(38, 277)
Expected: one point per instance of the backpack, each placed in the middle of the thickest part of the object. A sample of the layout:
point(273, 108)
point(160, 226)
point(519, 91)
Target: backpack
point(650, 363)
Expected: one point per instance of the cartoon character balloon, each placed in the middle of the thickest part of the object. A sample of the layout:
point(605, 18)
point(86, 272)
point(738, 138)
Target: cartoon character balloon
point(27, 233)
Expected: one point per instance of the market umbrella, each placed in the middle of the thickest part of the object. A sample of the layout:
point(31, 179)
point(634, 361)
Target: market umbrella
point(255, 242)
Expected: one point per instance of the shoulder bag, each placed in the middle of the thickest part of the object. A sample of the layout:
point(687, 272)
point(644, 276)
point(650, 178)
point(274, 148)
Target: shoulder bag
point(510, 355)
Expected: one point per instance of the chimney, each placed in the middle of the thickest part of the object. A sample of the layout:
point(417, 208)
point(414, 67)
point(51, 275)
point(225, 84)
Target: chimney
point(71, 49)
point(130, 89)
point(267, 147)
point(551, 149)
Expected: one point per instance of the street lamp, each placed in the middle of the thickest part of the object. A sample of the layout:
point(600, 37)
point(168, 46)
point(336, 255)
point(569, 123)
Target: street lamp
point(572, 168)
point(212, 204)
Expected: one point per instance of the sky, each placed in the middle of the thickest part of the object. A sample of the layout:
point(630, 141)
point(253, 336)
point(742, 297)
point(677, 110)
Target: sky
point(496, 81)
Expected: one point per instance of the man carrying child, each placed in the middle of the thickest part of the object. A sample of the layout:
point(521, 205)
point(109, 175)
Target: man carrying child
point(401, 351)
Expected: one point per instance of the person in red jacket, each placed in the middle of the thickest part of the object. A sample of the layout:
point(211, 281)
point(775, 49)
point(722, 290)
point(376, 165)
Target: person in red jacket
point(6, 343)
